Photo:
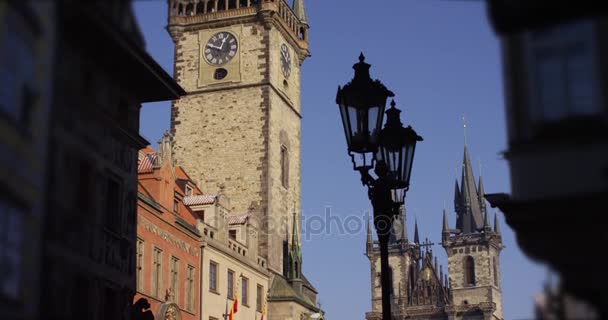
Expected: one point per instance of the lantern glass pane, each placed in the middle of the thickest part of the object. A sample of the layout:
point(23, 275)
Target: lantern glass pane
point(346, 123)
point(372, 124)
point(409, 162)
point(353, 124)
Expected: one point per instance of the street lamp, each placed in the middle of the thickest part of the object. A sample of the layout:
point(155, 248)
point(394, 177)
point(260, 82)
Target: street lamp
point(389, 151)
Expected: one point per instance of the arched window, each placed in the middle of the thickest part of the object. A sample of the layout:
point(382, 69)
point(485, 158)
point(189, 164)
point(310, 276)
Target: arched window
point(200, 7)
point(210, 6)
point(232, 4)
point(469, 271)
point(180, 10)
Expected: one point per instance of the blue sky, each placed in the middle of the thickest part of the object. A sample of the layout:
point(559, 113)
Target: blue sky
point(442, 60)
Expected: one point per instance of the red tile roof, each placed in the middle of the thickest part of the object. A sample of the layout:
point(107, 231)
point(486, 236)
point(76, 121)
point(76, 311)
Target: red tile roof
point(199, 199)
point(146, 163)
point(238, 219)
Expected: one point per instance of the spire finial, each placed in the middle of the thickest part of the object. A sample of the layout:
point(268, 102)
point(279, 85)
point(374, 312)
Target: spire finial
point(416, 237)
point(361, 57)
point(464, 126)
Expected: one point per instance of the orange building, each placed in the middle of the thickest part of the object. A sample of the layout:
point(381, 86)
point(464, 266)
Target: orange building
point(168, 245)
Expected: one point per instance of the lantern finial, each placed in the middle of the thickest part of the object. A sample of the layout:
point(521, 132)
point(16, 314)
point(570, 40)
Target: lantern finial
point(362, 69)
point(392, 116)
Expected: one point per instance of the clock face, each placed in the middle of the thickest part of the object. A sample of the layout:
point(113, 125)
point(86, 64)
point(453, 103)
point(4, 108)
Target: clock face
point(221, 48)
point(285, 61)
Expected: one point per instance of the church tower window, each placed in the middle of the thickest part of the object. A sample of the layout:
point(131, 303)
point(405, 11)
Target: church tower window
point(284, 167)
point(469, 271)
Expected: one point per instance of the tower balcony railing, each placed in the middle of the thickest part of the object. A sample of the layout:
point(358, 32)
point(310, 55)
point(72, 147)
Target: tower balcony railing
point(200, 11)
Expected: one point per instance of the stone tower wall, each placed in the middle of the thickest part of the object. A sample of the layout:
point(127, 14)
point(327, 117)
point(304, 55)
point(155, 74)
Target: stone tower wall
point(485, 290)
point(230, 135)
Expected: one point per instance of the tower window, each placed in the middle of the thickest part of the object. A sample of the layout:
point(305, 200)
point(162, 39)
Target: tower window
point(232, 234)
point(469, 271)
point(284, 167)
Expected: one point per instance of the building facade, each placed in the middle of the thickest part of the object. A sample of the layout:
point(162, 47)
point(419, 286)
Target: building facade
point(168, 252)
point(238, 129)
point(27, 34)
point(469, 289)
point(556, 106)
point(194, 255)
point(100, 77)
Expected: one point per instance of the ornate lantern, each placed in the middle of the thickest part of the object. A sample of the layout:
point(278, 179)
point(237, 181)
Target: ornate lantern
point(397, 147)
point(362, 102)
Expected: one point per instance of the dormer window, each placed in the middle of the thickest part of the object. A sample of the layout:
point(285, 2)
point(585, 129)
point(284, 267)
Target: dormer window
point(175, 205)
point(232, 234)
point(188, 190)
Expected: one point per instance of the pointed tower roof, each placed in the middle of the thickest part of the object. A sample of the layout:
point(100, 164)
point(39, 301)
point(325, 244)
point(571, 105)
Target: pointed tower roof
point(457, 197)
point(496, 224)
point(480, 191)
point(471, 214)
point(295, 245)
point(300, 10)
point(446, 227)
point(486, 222)
point(416, 238)
point(369, 233)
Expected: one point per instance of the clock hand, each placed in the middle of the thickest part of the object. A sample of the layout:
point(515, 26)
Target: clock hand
point(223, 41)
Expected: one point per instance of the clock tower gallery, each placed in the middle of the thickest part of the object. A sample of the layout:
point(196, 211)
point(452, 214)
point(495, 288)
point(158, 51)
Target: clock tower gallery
point(238, 130)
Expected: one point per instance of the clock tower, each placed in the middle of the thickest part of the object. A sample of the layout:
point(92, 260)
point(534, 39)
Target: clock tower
point(238, 129)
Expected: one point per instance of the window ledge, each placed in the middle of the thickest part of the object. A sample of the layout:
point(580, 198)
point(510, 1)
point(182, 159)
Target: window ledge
point(214, 292)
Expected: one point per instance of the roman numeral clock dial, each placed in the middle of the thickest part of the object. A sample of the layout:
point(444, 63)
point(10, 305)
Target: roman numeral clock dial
point(285, 61)
point(221, 48)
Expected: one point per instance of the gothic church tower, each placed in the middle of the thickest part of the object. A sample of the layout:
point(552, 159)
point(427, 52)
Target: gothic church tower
point(239, 127)
point(473, 250)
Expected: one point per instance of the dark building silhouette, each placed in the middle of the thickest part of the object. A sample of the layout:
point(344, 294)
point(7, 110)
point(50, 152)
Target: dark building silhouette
point(556, 75)
point(79, 72)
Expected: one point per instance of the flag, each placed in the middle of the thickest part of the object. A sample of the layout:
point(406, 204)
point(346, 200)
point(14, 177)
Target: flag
point(235, 304)
point(263, 311)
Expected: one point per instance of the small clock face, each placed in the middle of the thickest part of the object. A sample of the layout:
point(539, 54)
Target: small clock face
point(285, 61)
point(221, 48)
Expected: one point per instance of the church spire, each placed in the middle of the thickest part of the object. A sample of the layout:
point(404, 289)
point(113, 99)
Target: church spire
point(481, 195)
point(370, 241)
point(496, 225)
point(300, 10)
point(470, 217)
point(416, 238)
point(486, 223)
point(295, 245)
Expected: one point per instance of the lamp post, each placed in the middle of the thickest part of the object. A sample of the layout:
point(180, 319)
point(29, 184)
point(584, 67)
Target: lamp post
point(389, 151)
